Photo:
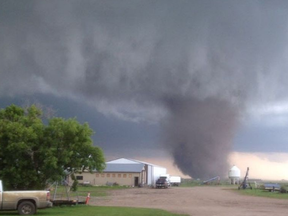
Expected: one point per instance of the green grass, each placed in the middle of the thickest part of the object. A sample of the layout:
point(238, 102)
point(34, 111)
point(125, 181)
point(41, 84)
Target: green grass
point(263, 193)
point(190, 183)
point(96, 191)
point(249, 192)
point(193, 183)
point(99, 211)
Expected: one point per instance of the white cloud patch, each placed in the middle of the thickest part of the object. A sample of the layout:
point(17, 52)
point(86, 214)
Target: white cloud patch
point(266, 166)
point(269, 115)
point(131, 111)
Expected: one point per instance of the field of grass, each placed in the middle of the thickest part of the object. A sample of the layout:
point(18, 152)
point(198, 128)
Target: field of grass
point(249, 192)
point(99, 191)
point(193, 183)
point(263, 193)
point(190, 183)
point(99, 211)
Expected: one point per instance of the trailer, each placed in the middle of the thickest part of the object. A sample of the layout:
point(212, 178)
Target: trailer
point(271, 187)
point(66, 202)
point(175, 180)
point(62, 196)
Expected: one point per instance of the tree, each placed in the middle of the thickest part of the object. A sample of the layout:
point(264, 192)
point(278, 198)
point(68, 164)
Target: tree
point(33, 154)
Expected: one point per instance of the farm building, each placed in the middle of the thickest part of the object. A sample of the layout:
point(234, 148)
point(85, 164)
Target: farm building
point(123, 172)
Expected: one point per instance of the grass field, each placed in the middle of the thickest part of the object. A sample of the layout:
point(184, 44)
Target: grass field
point(99, 191)
point(190, 183)
point(99, 211)
point(193, 183)
point(263, 193)
point(253, 192)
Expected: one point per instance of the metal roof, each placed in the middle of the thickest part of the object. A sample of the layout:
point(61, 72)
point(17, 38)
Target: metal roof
point(120, 161)
point(124, 168)
point(150, 164)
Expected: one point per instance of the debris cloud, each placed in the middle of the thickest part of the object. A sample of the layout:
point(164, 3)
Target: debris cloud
point(199, 133)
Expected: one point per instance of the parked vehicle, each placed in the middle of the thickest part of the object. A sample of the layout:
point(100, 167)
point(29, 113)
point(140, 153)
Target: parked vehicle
point(162, 182)
point(175, 180)
point(26, 202)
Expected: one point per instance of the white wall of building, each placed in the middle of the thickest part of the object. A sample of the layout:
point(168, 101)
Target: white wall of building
point(157, 172)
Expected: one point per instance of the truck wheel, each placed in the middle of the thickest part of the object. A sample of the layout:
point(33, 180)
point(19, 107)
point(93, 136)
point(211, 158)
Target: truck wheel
point(26, 208)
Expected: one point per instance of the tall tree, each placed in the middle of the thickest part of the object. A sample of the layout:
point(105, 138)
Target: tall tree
point(33, 154)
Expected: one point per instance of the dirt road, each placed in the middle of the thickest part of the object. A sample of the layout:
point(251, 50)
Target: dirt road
point(196, 201)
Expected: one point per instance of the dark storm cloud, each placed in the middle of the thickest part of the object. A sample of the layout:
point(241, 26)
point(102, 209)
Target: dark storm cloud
point(210, 58)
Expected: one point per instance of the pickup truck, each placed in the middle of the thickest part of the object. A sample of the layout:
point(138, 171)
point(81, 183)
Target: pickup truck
point(26, 202)
point(162, 182)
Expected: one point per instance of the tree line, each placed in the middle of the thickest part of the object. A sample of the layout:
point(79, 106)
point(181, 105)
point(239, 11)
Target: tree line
point(34, 154)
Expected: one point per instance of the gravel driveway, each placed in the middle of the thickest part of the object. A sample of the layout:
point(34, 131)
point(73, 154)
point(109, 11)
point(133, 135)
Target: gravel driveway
point(197, 201)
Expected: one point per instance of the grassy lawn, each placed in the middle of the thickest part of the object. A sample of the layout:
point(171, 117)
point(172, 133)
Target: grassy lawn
point(99, 211)
point(99, 191)
point(249, 192)
point(263, 193)
point(190, 183)
point(193, 183)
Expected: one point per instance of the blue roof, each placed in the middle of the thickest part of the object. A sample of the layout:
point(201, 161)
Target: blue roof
point(130, 161)
point(133, 168)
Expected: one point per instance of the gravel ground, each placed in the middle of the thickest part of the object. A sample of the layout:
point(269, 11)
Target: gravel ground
point(197, 201)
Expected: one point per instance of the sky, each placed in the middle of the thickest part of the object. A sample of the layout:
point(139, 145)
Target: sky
point(196, 86)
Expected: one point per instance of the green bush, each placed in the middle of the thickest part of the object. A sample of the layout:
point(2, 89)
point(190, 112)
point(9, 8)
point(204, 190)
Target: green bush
point(283, 189)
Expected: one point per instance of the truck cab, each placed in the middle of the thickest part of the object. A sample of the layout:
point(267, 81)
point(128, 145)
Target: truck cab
point(26, 202)
point(162, 182)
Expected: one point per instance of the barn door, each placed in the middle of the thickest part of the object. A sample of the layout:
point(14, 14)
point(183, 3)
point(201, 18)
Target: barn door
point(136, 181)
